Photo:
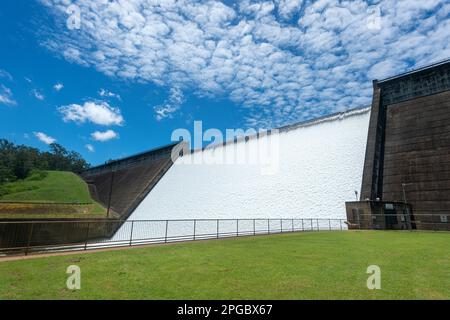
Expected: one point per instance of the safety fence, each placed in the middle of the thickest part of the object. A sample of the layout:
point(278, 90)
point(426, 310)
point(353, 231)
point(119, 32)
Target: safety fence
point(403, 220)
point(53, 236)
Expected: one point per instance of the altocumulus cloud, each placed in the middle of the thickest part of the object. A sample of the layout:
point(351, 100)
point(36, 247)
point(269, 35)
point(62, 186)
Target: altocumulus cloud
point(104, 136)
point(38, 95)
point(287, 60)
point(90, 148)
point(6, 96)
point(170, 106)
point(58, 86)
point(108, 94)
point(100, 113)
point(6, 75)
point(44, 138)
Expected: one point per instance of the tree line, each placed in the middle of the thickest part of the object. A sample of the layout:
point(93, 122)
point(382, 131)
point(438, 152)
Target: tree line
point(18, 161)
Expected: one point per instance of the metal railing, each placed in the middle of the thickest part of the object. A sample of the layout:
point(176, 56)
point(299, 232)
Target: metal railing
point(54, 236)
point(400, 221)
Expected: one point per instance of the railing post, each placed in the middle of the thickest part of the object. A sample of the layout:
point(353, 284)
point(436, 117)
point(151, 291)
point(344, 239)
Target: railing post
point(281, 225)
point(217, 228)
point(268, 226)
point(87, 236)
point(312, 226)
point(329, 223)
point(237, 227)
point(317, 222)
point(110, 193)
point(29, 238)
point(293, 229)
point(303, 226)
point(340, 224)
point(254, 227)
point(195, 227)
point(359, 219)
point(167, 228)
point(131, 233)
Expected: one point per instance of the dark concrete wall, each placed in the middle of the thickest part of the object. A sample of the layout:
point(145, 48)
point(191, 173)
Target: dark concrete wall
point(409, 142)
point(129, 185)
point(374, 139)
point(128, 181)
point(420, 83)
point(51, 232)
point(135, 160)
point(417, 152)
point(367, 215)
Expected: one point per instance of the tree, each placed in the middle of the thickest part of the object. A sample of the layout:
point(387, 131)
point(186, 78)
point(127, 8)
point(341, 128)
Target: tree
point(7, 160)
point(16, 162)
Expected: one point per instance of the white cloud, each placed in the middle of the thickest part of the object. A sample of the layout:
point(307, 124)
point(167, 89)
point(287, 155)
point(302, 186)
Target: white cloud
point(104, 136)
point(108, 94)
point(6, 96)
point(44, 138)
point(170, 106)
point(100, 113)
point(285, 59)
point(58, 86)
point(90, 148)
point(386, 68)
point(287, 8)
point(38, 95)
point(6, 75)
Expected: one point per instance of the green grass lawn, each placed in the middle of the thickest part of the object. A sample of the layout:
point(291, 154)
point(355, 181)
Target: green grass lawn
point(55, 187)
point(320, 265)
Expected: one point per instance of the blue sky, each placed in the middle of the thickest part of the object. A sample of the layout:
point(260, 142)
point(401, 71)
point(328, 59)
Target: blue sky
point(135, 70)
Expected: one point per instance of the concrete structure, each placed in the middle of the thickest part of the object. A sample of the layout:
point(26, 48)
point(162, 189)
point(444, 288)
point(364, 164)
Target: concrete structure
point(379, 215)
point(121, 185)
point(320, 167)
point(408, 147)
point(400, 157)
point(397, 151)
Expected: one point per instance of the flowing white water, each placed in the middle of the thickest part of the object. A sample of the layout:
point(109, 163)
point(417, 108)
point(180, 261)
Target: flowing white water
point(320, 166)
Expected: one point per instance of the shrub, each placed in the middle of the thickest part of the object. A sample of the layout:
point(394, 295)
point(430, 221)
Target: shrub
point(3, 191)
point(37, 175)
point(11, 188)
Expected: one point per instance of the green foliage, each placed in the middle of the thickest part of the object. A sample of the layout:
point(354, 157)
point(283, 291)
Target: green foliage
point(3, 190)
point(13, 188)
point(18, 161)
point(37, 175)
point(19, 186)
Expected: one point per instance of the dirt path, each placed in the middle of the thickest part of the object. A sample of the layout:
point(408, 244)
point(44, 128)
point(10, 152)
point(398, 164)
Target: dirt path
point(76, 252)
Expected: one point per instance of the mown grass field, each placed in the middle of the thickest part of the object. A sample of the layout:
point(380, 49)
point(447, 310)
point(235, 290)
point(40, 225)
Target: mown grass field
point(54, 187)
point(319, 265)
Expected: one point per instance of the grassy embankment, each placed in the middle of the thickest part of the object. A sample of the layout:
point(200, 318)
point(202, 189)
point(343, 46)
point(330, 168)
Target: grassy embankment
point(48, 194)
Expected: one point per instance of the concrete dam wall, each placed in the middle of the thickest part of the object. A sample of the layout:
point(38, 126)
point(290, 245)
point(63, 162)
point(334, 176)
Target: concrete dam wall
point(320, 166)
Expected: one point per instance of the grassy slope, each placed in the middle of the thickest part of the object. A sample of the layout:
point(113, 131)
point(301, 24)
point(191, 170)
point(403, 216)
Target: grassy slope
point(56, 187)
point(291, 266)
point(63, 187)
